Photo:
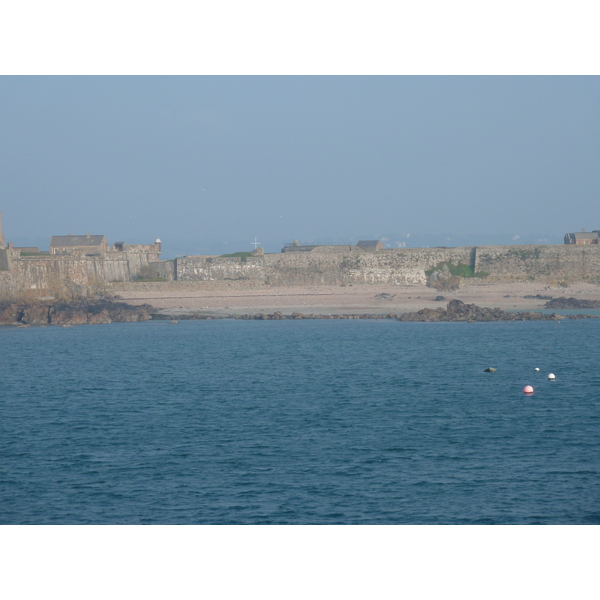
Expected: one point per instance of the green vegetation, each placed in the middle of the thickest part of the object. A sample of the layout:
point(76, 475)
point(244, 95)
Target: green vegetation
point(242, 255)
point(237, 255)
point(459, 270)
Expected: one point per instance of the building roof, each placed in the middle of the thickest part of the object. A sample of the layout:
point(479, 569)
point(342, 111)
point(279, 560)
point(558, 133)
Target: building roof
point(76, 240)
point(585, 235)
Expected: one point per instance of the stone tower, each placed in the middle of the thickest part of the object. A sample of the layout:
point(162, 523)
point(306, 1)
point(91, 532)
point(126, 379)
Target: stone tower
point(2, 240)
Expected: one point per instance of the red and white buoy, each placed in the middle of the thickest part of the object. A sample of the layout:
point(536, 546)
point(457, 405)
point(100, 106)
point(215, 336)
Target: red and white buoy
point(528, 389)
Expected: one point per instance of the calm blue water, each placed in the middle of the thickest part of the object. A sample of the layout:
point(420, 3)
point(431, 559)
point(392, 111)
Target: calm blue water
point(317, 422)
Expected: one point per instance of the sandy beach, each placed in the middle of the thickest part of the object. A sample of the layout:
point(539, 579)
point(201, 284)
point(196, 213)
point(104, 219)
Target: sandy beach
point(221, 299)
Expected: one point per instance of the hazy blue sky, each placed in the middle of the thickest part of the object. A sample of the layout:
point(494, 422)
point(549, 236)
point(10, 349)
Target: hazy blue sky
point(208, 163)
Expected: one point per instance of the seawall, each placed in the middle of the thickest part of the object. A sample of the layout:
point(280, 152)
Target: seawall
point(52, 271)
point(393, 267)
point(396, 267)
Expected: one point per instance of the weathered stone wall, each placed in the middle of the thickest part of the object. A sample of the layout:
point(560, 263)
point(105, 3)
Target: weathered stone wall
point(395, 267)
point(163, 269)
point(3, 259)
point(48, 272)
point(566, 262)
point(307, 268)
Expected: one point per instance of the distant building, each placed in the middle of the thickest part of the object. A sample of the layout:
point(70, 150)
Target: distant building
point(27, 249)
point(583, 238)
point(76, 244)
point(371, 245)
point(362, 246)
point(150, 248)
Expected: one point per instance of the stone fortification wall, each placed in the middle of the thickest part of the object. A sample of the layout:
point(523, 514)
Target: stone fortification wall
point(394, 267)
point(307, 268)
point(48, 272)
point(566, 262)
point(3, 259)
point(148, 248)
point(163, 269)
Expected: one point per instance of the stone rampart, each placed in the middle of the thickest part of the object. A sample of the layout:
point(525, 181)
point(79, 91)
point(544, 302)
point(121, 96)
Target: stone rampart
point(49, 272)
point(164, 269)
point(566, 262)
point(394, 267)
point(3, 259)
point(307, 268)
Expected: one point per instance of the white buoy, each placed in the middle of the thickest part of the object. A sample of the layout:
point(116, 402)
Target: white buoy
point(551, 377)
point(537, 369)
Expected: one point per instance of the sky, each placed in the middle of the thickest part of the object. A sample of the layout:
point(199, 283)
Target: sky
point(209, 163)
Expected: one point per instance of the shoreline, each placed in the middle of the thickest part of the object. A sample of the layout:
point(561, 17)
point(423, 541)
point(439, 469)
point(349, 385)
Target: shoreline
point(251, 301)
point(231, 299)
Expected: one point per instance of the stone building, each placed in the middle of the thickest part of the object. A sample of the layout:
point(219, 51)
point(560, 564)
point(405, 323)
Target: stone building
point(155, 248)
point(370, 245)
point(78, 244)
point(583, 238)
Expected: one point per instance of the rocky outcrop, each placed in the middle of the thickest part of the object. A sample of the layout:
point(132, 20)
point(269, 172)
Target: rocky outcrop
point(442, 279)
point(75, 313)
point(572, 303)
point(471, 313)
point(9, 314)
point(34, 315)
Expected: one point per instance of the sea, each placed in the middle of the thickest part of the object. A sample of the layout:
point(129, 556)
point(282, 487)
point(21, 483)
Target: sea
point(300, 422)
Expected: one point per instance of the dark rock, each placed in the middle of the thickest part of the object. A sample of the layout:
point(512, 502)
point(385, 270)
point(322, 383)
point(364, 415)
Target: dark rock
point(572, 303)
point(74, 313)
point(35, 315)
point(9, 314)
point(101, 318)
point(489, 370)
point(439, 299)
point(67, 315)
point(457, 310)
